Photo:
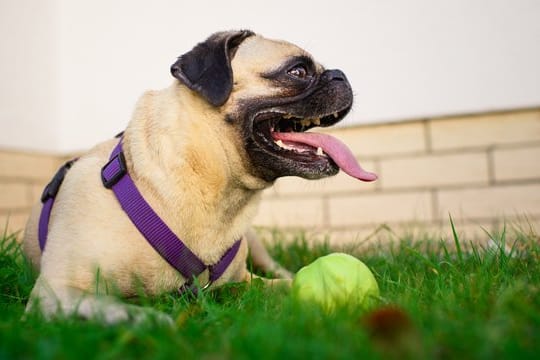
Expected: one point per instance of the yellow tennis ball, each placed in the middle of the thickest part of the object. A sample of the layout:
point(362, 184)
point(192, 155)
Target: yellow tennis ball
point(336, 280)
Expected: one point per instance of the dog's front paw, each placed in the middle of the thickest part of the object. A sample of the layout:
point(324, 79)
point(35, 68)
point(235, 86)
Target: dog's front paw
point(116, 312)
point(142, 315)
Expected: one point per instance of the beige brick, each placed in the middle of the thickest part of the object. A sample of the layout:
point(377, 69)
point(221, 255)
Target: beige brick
point(434, 170)
point(354, 238)
point(517, 164)
point(335, 184)
point(340, 240)
point(13, 223)
point(492, 202)
point(522, 224)
point(380, 208)
point(482, 235)
point(375, 237)
point(466, 230)
point(379, 140)
point(13, 196)
point(18, 165)
point(36, 190)
point(360, 239)
point(290, 213)
point(437, 231)
point(486, 130)
point(270, 235)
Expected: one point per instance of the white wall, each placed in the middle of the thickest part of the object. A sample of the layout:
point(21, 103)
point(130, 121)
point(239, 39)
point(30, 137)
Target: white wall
point(72, 70)
point(28, 75)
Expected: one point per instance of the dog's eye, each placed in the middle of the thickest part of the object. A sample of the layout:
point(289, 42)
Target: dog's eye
point(299, 71)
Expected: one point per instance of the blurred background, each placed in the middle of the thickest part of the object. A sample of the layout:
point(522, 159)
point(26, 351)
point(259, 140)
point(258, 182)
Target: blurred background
point(447, 101)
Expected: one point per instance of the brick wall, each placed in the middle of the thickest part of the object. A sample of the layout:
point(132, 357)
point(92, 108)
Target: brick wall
point(22, 178)
point(482, 169)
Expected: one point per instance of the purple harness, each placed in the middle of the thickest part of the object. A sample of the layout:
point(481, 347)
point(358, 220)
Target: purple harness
point(115, 176)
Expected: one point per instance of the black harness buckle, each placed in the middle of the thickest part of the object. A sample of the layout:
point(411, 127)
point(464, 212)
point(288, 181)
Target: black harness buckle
point(114, 170)
point(52, 188)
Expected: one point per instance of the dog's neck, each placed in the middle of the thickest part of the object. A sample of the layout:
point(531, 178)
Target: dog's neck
point(186, 160)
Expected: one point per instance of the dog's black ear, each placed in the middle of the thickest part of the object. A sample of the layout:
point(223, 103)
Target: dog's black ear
point(207, 68)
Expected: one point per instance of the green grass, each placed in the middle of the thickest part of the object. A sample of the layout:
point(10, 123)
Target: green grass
point(458, 301)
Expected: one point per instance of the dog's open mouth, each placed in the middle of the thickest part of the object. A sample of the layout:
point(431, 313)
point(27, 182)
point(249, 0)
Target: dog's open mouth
point(286, 136)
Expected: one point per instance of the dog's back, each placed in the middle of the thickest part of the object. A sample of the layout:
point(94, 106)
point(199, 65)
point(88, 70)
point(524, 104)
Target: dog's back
point(30, 241)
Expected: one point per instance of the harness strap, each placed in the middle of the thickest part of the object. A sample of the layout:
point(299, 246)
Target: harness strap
point(47, 198)
point(116, 177)
point(43, 227)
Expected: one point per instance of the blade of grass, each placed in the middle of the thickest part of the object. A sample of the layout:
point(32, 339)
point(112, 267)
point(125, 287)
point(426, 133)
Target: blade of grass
point(456, 240)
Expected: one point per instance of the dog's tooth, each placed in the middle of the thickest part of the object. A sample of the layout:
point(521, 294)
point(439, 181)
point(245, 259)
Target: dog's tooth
point(305, 122)
point(316, 121)
point(319, 151)
point(335, 115)
point(287, 116)
point(283, 145)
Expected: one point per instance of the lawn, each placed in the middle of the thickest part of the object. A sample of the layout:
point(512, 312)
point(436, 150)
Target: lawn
point(438, 300)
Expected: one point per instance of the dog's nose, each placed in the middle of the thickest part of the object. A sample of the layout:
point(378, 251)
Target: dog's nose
point(335, 74)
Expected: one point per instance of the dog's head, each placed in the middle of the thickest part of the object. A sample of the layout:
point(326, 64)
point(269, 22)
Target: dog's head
point(272, 92)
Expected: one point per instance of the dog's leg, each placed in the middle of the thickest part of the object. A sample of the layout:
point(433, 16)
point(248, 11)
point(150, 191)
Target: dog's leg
point(249, 277)
point(262, 259)
point(54, 300)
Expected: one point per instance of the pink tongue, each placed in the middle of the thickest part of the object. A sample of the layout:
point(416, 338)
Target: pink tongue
point(338, 151)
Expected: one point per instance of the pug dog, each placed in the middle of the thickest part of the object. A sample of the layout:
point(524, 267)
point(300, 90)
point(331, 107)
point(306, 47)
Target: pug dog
point(200, 152)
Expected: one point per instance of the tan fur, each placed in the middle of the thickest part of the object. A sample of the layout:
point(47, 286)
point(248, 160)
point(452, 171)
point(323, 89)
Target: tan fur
point(191, 168)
